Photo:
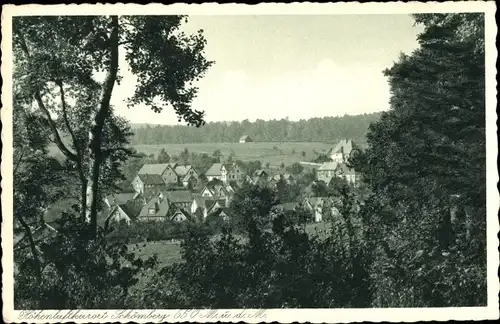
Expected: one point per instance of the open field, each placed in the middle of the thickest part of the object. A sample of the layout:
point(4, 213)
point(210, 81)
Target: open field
point(273, 153)
point(168, 252)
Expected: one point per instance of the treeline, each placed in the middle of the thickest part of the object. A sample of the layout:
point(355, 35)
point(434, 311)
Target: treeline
point(325, 129)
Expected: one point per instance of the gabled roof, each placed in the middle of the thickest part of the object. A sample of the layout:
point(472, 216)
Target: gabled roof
point(178, 196)
point(345, 146)
point(200, 200)
point(39, 233)
point(161, 207)
point(210, 203)
point(182, 212)
point(121, 198)
point(151, 179)
point(214, 170)
point(345, 169)
point(288, 206)
point(182, 170)
point(222, 211)
point(132, 208)
point(245, 138)
point(328, 166)
point(155, 168)
point(259, 173)
point(231, 187)
point(228, 166)
point(187, 177)
point(276, 177)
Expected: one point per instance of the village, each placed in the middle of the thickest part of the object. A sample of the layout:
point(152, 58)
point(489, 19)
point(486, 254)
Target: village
point(180, 193)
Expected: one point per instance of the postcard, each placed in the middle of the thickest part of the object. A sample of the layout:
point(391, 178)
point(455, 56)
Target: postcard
point(304, 162)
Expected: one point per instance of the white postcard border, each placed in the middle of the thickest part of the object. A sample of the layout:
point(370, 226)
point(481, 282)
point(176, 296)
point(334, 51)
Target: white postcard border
point(279, 315)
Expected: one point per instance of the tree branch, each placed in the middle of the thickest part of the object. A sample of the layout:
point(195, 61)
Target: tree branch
point(66, 121)
point(34, 251)
point(70, 155)
point(18, 163)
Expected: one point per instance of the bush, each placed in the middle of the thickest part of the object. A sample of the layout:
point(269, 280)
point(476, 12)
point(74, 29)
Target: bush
point(77, 272)
point(280, 266)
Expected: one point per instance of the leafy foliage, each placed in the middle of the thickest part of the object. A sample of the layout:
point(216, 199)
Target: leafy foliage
point(427, 161)
point(271, 267)
point(94, 274)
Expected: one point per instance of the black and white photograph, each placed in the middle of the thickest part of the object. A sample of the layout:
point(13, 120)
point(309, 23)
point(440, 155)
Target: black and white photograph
point(247, 163)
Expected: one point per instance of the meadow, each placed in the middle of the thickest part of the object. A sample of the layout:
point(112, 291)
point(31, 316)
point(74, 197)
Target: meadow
point(273, 153)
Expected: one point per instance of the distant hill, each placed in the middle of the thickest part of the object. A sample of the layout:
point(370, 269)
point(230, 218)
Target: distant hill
point(325, 129)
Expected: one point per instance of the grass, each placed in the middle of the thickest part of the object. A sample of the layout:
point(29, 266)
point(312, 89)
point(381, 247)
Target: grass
point(321, 229)
point(273, 153)
point(168, 252)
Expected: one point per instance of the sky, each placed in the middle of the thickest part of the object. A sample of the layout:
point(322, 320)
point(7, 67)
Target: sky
point(297, 66)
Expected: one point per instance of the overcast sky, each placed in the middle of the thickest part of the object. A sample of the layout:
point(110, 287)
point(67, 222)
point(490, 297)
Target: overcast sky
point(272, 67)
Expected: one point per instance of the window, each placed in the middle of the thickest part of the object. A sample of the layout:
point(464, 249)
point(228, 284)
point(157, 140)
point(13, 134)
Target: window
point(151, 211)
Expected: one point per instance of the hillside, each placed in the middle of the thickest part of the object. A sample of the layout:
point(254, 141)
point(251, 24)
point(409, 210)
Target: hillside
point(326, 129)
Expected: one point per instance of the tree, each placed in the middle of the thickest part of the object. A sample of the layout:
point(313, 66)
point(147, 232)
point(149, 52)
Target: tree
point(295, 168)
point(428, 148)
point(39, 179)
point(56, 59)
point(276, 266)
point(184, 156)
point(217, 155)
point(163, 156)
point(250, 207)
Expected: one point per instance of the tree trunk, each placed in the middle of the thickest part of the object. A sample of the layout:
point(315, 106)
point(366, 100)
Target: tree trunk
point(95, 151)
point(34, 251)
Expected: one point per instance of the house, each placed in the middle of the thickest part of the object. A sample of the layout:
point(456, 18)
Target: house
point(225, 172)
point(291, 206)
point(156, 209)
point(39, 233)
point(180, 215)
point(318, 206)
point(178, 198)
point(143, 182)
point(187, 175)
point(323, 207)
point(165, 170)
point(204, 206)
point(214, 172)
point(260, 177)
point(120, 198)
point(245, 139)
point(287, 178)
point(343, 150)
point(212, 206)
point(123, 213)
point(214, 189)
point(224, 213)
point(327, 171)
point(347, 173)
point(217, 190)
point(231, 172)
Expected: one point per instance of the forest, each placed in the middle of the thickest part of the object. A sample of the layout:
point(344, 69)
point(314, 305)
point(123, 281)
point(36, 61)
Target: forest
point(326, 129)
point(414, 237)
